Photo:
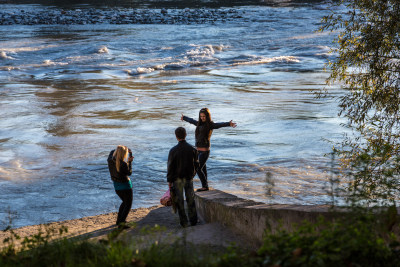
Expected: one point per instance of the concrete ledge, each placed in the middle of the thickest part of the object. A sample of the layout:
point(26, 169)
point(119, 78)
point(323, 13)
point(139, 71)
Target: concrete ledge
point(252, 218)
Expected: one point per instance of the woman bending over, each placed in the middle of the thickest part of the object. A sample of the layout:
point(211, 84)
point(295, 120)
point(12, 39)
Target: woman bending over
point(204, 129)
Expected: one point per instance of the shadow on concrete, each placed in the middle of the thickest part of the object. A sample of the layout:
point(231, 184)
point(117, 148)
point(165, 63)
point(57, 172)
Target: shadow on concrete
point(162, 225)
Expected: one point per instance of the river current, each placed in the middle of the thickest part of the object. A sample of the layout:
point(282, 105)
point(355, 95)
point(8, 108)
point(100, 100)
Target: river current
point(71, 93)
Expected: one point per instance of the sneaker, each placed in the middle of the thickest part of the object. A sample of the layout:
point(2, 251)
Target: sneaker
point(183, 225)
point(202, 189)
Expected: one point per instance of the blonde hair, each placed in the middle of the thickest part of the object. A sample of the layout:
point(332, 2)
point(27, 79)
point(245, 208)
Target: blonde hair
point(120, 154)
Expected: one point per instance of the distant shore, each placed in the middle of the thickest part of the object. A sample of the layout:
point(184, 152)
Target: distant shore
point(47, 16)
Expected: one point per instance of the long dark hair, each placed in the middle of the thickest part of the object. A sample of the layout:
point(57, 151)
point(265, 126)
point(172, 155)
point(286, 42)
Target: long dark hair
point(207, 123)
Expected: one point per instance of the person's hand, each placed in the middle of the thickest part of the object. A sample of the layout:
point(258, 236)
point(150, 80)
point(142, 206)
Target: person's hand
point(130, 153)
point(182, 117)
point(232, 124)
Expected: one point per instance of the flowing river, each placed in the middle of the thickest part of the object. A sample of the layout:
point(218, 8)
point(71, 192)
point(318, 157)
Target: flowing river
point(69, 93)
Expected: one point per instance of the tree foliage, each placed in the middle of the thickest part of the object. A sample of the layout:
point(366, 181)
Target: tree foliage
point(368, 67)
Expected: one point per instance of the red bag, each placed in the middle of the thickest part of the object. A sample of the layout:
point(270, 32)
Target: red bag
point(166, 199)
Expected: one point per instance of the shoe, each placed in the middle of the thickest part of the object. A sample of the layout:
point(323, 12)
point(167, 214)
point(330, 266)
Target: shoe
point(183, 225)
point(202, 189)
point(122, 226)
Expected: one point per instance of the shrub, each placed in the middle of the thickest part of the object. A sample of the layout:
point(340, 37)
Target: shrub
point(345, 242)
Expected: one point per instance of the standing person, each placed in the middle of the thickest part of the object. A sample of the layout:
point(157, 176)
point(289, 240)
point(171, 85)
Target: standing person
point(120, 167)
point(182, 165)
point(204, 129)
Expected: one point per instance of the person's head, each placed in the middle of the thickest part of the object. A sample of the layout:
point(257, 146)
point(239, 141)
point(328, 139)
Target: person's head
point(120, 154)
point(180, 133)
point(204, 115)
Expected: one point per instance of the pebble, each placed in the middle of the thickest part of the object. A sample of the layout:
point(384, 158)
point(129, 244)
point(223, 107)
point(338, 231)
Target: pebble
point(118, 16)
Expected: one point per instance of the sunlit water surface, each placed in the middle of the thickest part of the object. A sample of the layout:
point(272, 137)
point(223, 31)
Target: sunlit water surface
point(70, 94)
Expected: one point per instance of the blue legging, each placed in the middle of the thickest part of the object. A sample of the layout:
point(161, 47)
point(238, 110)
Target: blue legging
point(202, 170)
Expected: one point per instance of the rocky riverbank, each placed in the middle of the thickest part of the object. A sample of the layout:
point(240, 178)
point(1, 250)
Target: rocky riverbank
point(47, 16)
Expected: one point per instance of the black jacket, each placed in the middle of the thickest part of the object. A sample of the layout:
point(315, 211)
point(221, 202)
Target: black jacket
point(125, 169)
point(182, 162)
point(203, 133)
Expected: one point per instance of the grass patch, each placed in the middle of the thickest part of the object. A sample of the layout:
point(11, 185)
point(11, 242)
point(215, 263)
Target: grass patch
point(357, 241)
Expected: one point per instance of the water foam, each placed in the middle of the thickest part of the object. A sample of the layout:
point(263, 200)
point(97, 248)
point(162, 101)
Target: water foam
point(201, 55)
point(4, 55)
point(48, 62)
point(103, 50)
point(254, 60)
point(220, 47)
point(140, 70)
point(201, 51)
point(191, 56)
point(26, 48)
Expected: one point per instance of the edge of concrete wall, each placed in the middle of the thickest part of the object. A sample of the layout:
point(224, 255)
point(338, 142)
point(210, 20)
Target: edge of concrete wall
point(252, 218)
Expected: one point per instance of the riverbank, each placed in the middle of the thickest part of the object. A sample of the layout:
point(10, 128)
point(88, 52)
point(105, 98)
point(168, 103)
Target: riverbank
point(157, 217)
point(156, 239)
point(223, 219)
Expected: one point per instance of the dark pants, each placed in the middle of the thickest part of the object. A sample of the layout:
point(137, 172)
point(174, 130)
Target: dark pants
point(180, 185)
point(126, 196)
point(202, 170)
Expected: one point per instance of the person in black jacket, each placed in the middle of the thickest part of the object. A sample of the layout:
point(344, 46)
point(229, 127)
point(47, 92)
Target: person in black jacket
point(120, 167)
point(182, 165)
point(204, 129)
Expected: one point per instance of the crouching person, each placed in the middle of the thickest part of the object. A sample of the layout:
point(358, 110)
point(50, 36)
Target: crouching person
point(182, 165)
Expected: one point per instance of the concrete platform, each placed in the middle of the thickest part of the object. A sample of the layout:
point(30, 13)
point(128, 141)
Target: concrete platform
point(251, 218)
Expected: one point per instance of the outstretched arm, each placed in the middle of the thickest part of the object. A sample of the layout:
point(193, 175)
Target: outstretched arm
point(189, 120)
point(217, 125)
